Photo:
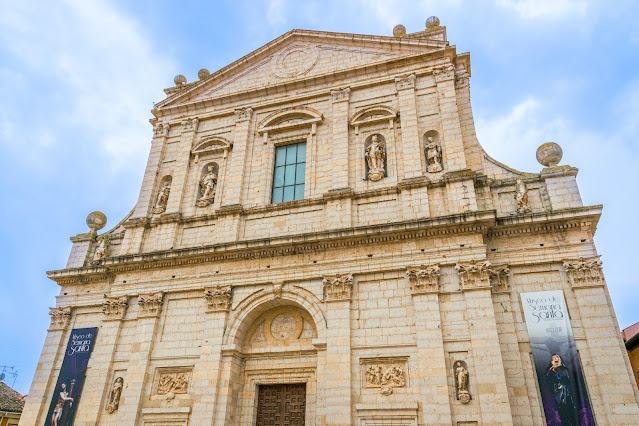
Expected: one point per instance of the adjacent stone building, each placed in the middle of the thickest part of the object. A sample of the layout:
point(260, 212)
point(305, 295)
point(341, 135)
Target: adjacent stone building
point(321, 239)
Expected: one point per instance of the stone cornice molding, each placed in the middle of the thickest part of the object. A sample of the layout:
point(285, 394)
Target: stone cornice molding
point(584, 272)
point(60, 318)
point(575, 218)
point(218, 299)
point(114, 308)
point(338, 288)
point(150, 304)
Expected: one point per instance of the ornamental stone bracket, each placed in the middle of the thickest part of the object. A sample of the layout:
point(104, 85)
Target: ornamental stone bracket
point(114, 308)
point(338, 287)
point(584, 272)
point(341, 95)
point(474, 275)
point(405, 82)
point(218, 299)
point(424, 279)
point(60, 318)
point(499, 278)
point(150, 304)
point(243, 114)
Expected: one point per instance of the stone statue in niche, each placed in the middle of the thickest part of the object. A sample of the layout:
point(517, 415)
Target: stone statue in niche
point(375, 155)
point(102, 249)
point(461, 382)
point(163, 198)
point(114, 395)
point(208, 183)
point(521, 196)
point(433, 155)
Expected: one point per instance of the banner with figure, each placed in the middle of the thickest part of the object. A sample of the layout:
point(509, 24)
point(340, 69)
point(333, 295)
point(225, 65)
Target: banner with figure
point(69, 385)
point(561, 381)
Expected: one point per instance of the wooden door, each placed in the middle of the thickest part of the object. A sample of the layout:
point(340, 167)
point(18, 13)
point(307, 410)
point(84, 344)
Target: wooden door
point(281, 405)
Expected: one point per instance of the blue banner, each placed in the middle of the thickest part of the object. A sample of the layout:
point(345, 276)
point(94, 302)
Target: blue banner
point(69, 385)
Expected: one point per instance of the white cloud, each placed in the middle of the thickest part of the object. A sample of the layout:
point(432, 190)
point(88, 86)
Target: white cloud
point(549, 9)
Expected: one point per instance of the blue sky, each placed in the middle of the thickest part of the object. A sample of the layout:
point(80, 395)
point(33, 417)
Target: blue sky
point(78, 80)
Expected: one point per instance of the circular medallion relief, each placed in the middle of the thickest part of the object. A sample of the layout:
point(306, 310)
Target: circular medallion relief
point(283, 327)
point(295, 61)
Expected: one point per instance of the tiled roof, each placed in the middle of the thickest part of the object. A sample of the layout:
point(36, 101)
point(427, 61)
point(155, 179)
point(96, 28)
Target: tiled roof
point(10, 400)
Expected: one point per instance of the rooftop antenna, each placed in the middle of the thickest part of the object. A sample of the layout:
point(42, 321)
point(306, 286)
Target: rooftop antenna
point(8, 370)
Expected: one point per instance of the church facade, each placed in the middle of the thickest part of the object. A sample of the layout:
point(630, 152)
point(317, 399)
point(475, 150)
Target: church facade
point(321, 239)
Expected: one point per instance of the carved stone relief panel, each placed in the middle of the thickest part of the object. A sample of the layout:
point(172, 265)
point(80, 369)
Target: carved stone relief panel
point(114, 308)
point(60, 318)
point(281, 327)
point(584, 272)
point(170, 382)
point(424, 279)
point(338, 287)
point(385, 374)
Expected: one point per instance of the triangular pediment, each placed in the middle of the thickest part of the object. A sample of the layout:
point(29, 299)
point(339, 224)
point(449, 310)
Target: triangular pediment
point(297, 55)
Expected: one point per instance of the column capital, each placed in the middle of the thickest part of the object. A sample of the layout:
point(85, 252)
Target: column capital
point(474, 275)
point(405, 81)
point(338, 287)
point(499, 278)
point(114, 308)
point(150, 304)
point(161, 130)
point(60, 318)
point(218, 298)
point(341, 95)
point(243, 114)
point(584, 272)
point(444, 73)
point(191, 125)
point(424, 279)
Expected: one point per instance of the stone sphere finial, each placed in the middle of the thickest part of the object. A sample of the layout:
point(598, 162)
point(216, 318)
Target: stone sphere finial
point(399, 30)
point(549, 154)
point(432, 22)
point(179, 80)
point(96, 221)
point(203, 73)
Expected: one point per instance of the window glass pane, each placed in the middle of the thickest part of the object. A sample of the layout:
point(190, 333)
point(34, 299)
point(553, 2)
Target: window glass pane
point(299, 192)
point(277, 195)
point(301, 152)
point(280, 155)
point(288, 193)
point(299, 174)
point(278, 177)
point(289, 177)
point(291, 154)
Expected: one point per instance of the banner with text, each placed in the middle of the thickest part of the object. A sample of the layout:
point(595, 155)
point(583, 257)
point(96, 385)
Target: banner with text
point(561, 381)
point(69, 385)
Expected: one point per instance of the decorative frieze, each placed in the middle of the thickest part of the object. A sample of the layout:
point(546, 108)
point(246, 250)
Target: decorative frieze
point(341, 95)
point(60, 318)
point(243, 114)
point(150, 304)
point(114, 395)
point(385, 374)
point(499, 278)
point(474, 274)
point(584, 272)
point(339, 287)
point(114, 308)
point(405, 82)
point(424, 279)
point(218, 298)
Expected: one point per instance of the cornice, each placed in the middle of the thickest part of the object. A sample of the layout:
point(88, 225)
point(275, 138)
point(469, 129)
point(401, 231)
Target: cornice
point(577, 218)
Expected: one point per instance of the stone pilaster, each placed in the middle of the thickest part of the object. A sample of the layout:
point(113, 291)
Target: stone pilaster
point(411, 141)
point(454, 156)
point(431, 374)
point(183, 160)
point(339, 151)
point(492, 391)
point(208, 370)
point(237, 161)
point(150, 306)
point(337, 385)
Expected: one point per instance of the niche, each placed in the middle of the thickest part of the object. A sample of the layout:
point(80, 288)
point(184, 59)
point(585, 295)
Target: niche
point(433, 151)
point(162, 198)
point(207, 184)
point(375, 156)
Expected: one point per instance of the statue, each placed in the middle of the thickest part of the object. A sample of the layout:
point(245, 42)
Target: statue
point(461, 379)
point(521, 195)
point(114, 395)
point(208, 183)
point(102, 250)
point(375, 154)
point(433, 155)
point(163, 198)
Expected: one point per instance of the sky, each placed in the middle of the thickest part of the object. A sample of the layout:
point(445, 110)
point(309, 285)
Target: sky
point(78, 80)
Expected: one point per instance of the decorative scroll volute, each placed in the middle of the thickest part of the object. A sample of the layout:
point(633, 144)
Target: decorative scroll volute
point(424, 279)
point(474, 274)
point(218, 298)
point(584, 272)
point(60, 318)
point(150, 304)
point(114, 308)
point(339, 287)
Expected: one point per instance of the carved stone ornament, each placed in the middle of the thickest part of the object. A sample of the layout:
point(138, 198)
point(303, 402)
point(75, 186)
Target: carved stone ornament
point(375, 155)
point(114, 396)
point(384, 376)
point(208, 185)
point(338, 287)
point(499, 278)
point(444, 72)
point(114, 308)
point(405, 82)
point(163, 198)
point(243, 114)
point(60, 318)
point(474, 274)
point(102, 249)
point(424, 279)
point(218, 298)
point(584, 272)
point(150, 304)
point(161, 130)
point(173, 383)
point(191, 125)
point(277, 290)
point(433, 151)
point(460, 373)
point(341, 95)
point(521, 196)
